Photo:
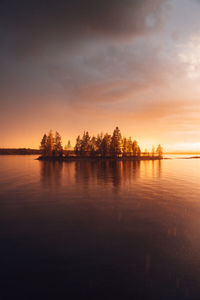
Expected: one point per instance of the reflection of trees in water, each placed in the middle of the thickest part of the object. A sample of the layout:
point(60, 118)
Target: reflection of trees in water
point(106, 172)
point(84, 171)
point(151, 168)
point(156, 168)
point(116, 173)
point(159, 168)
point(130, 170)
point(51, 173)
point(100, 172)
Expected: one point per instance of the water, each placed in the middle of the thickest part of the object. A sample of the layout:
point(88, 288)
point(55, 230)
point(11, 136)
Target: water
point(99, 230)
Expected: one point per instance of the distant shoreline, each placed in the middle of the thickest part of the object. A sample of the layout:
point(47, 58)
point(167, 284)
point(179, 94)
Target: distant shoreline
point(19, 151)
point(191, 157)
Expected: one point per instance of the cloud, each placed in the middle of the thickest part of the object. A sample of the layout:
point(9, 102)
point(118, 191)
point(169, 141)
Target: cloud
point(31, 26)
point(115, 73)
point(86, 50)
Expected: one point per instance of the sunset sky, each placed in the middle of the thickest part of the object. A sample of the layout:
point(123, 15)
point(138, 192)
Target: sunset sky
point(96, 64)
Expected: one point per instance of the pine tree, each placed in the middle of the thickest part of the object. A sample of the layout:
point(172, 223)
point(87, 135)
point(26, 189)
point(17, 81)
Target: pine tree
point(77, 147)
point(159, 151)
point(129, 147)
point(99, 140)
point(135, 148)
point(43, 145)
point(69, 146)
point(125, 146)
point(85, 144)
point(145, 152)
point(50, 143)
point(58, 149)
point(138, 151)
point(93, 146)
point(153, 151)
point(116, 143)
point(105, 145)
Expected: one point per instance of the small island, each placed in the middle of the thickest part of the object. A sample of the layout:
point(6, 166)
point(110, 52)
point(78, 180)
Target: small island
point(102, 146)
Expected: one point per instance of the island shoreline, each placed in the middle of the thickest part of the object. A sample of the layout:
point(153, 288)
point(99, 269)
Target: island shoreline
point(65, 159)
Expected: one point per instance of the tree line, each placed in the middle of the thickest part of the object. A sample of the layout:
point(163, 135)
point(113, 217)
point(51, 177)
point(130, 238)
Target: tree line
point(102, 145)
point(51, 145)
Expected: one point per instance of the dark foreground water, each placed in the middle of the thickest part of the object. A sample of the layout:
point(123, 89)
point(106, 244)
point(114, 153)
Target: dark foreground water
point(99, 230)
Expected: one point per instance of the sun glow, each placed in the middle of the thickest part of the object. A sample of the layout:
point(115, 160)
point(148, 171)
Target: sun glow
point(184, 147)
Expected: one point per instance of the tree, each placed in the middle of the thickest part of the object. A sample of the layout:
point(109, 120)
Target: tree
point(136, 148)
point(93, 146)
point(153, 151)
point(159, 151)
point(50, 143)
point(129, 147)
point(138, 151)
point(77, 147)
point(116, 143)
point(125, 146)
point(58, 149)
point(145, 152)
point(43, 145)
point(102, 145)
point(105, 145)
point(85, 144)
point(68, 147)
point(99, 140)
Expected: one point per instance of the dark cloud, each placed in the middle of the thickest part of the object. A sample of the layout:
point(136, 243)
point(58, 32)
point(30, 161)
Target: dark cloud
point(32, 25)
point(44, 33)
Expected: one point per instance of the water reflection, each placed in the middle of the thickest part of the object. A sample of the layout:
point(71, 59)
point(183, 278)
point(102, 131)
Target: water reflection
point(51, 173)
point(106, 172)
point(120, 230)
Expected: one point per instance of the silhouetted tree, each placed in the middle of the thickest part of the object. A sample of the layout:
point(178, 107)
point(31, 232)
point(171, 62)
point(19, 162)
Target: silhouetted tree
point(116, 143)
point(99, 140)
point(138, 151)
point(77, 147)
point(136, 148)
point(58, 149)
point(153, 151)
point(145, 152)
point(101, 146)
point(93, 146)
point(43, 145)
point(85, 144)
point(68, 147)
point(159, 151)
point(105, 145)
point(50, 143)
point(129, 147)
point(125, 146)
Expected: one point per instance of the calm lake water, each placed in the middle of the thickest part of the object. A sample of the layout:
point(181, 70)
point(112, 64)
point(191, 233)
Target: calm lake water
point(99, 230)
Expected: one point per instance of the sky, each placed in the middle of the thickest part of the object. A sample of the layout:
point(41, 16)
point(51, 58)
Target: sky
point(93, 65)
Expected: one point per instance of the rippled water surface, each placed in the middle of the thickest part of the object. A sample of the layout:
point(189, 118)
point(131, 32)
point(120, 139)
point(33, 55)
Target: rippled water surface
point(99, 230)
